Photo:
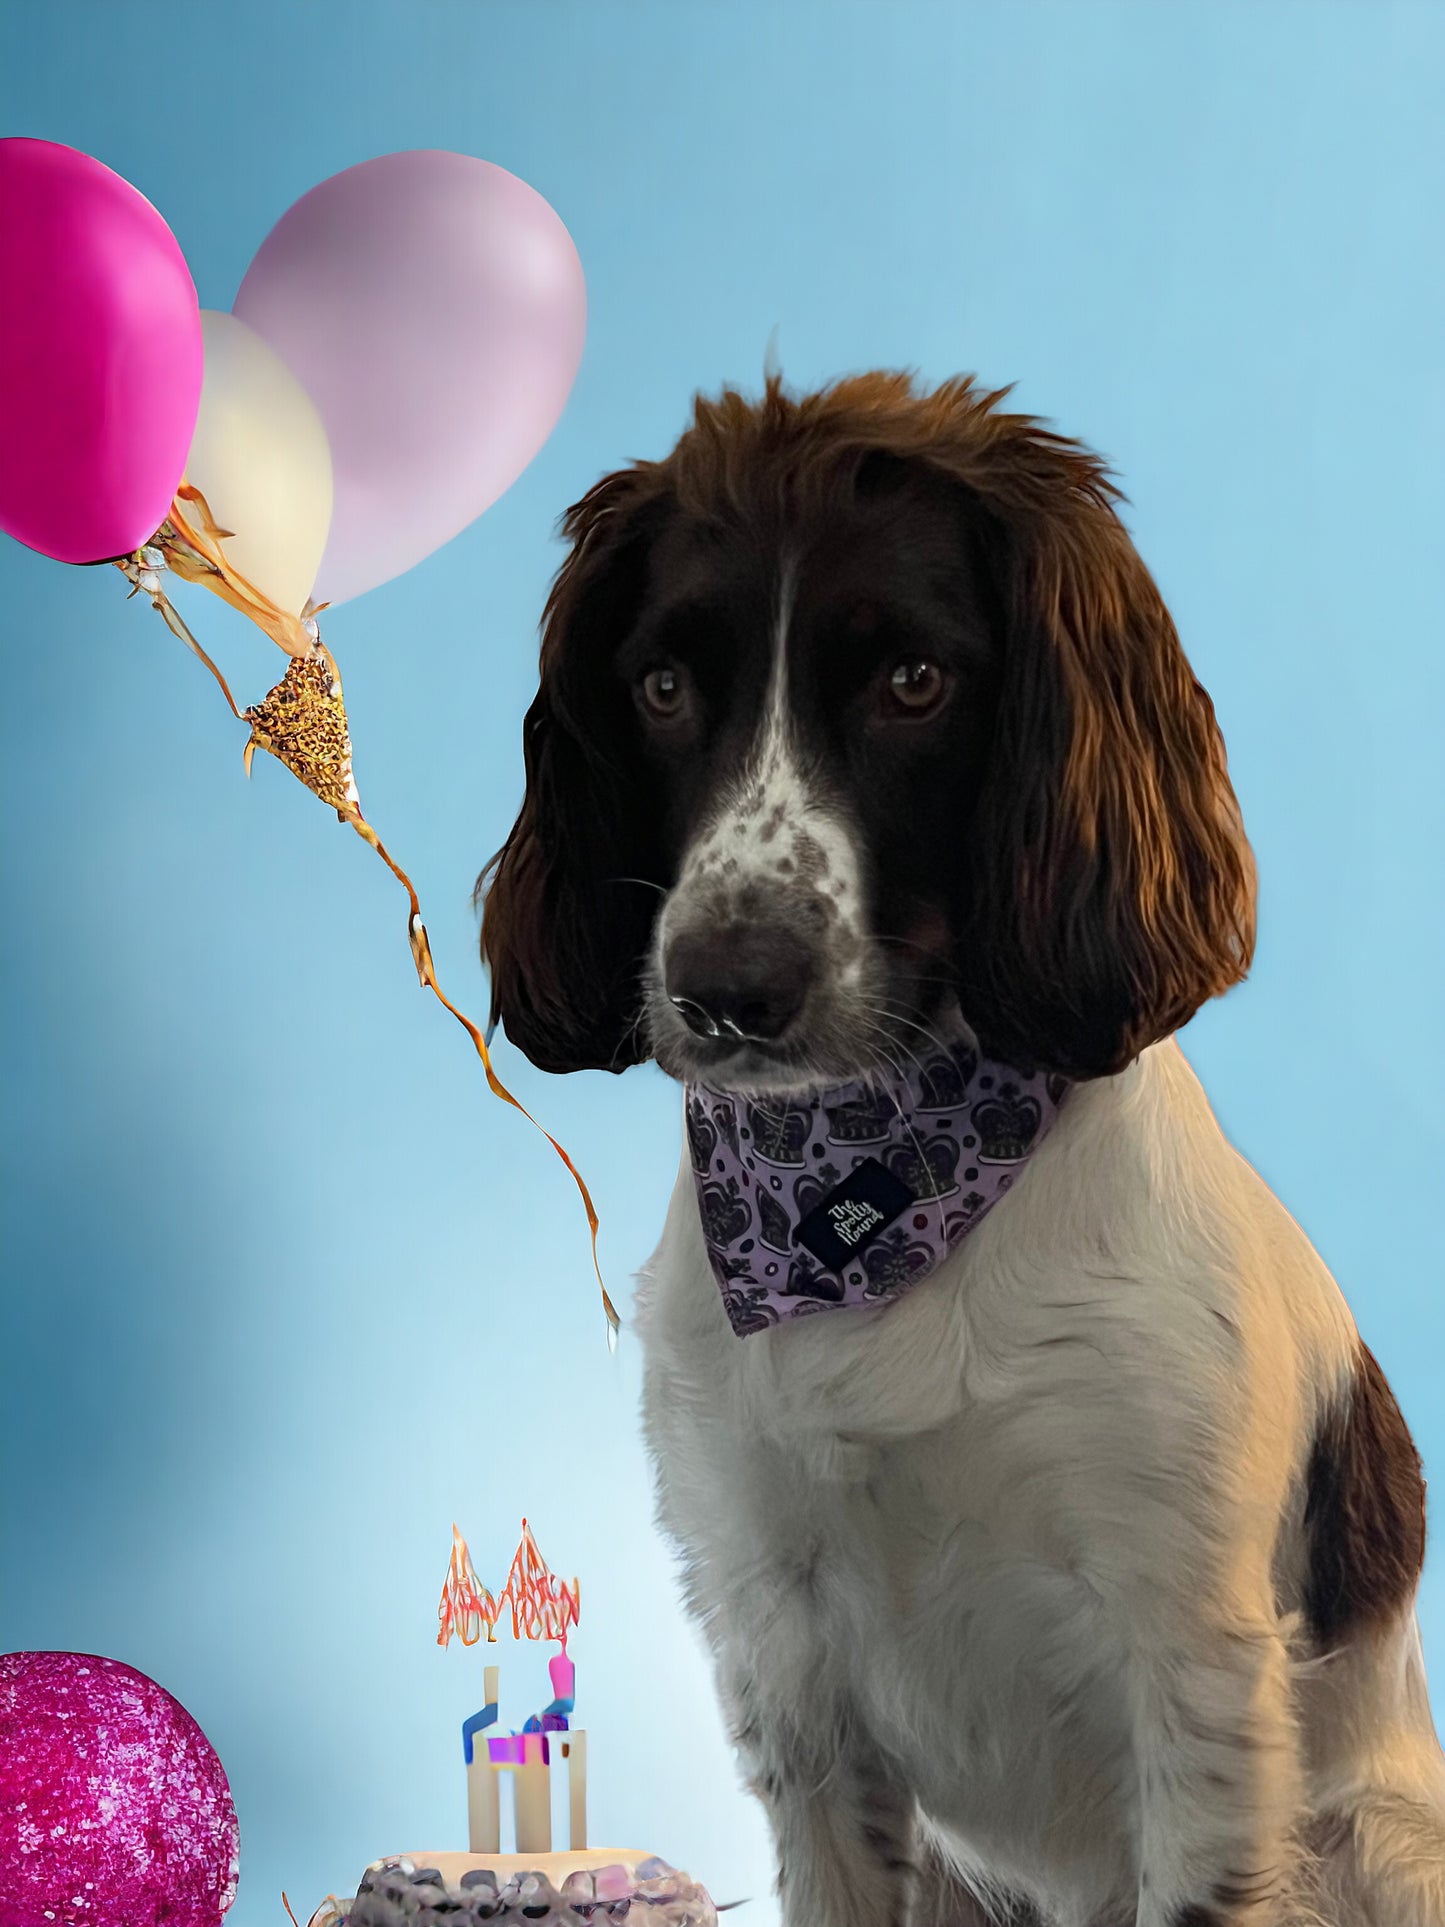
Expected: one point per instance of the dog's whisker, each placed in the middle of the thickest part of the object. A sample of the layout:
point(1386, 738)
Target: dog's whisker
point(890, 1014)
point(890, 1062)
point(633, 1031)
point(938, 1041)
point(906, 1122)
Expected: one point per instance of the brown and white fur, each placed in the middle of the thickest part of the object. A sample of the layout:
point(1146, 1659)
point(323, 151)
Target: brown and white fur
point(1077, 1587)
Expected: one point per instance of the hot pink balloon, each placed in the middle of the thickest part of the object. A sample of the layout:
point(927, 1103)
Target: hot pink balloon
point(100, 356)
point(113, 1805)
point(433, 306)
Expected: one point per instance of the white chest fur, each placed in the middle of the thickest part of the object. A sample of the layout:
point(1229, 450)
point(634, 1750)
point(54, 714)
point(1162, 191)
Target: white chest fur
point(942, 1525)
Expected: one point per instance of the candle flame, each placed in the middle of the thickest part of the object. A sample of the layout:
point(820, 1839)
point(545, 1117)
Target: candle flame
point(542, 1606)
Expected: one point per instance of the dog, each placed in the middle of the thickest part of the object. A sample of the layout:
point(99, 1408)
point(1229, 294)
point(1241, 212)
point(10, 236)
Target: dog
point(1074, 1584)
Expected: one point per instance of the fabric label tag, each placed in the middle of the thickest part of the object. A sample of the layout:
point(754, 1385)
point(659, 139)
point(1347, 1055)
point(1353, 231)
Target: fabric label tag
point(853, 1214)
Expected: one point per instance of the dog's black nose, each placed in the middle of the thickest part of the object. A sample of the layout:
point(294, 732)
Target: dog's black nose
point(743, 984)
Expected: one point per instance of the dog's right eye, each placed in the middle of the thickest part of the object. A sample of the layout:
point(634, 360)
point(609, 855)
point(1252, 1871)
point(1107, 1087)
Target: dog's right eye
point(665, 694)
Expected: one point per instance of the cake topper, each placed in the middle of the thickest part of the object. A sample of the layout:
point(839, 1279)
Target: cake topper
point(542, 1606)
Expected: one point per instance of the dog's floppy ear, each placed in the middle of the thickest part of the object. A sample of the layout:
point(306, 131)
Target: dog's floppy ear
point(566, 915)
point(1109, 889)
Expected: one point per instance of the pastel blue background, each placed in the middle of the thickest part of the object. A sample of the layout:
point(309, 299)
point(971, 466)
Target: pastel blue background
point(286, 1292)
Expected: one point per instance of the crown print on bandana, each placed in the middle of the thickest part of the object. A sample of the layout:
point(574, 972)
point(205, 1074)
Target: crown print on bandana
point(854, 1195)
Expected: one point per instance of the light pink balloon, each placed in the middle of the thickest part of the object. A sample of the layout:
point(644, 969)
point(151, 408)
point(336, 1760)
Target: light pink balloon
point(433, 306)
point(100, 356)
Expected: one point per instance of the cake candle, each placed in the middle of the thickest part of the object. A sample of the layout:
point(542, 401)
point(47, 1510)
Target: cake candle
point(542, 1607)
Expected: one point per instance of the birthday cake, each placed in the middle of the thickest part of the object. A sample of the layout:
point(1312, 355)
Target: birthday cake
point(552, 1890)
point(594, 1884)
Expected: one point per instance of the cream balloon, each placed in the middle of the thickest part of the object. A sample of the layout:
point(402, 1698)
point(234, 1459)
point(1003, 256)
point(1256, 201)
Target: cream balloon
point(261, 459)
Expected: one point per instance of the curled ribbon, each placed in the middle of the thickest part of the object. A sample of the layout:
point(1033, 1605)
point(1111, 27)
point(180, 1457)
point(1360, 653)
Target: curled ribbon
point(302, 722)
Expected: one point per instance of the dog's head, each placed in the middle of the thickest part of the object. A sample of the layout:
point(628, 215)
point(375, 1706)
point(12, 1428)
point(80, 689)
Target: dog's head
point(856, 707)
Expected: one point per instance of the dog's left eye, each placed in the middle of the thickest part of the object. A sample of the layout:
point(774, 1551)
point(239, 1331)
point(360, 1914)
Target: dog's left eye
point(914, 687)
point(665, 693)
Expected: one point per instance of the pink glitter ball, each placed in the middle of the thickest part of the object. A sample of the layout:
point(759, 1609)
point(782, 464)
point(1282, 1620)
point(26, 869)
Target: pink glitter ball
point(113, 1805)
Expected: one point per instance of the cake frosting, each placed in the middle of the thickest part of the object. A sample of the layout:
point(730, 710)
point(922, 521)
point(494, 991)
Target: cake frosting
point(596, 1884)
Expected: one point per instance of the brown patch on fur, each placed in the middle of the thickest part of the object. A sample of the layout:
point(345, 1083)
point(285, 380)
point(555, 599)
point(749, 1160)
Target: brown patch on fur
point(1364, 1511)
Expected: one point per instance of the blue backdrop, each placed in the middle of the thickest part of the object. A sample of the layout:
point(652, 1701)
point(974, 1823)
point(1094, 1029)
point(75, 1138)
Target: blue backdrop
point(286, 1292)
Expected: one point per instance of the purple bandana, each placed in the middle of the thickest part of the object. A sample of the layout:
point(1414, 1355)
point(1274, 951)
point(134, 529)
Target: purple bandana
point(853, 1196)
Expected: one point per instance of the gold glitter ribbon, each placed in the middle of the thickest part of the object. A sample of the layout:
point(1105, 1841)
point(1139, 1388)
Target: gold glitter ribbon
point(302, 723)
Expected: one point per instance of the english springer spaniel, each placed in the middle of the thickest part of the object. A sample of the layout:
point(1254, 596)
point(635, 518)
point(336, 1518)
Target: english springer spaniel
point(1059, 1564)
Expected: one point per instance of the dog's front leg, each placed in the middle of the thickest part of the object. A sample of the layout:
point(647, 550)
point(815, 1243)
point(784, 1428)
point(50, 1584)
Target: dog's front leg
point(844, 1828)
point(1218, 1779)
